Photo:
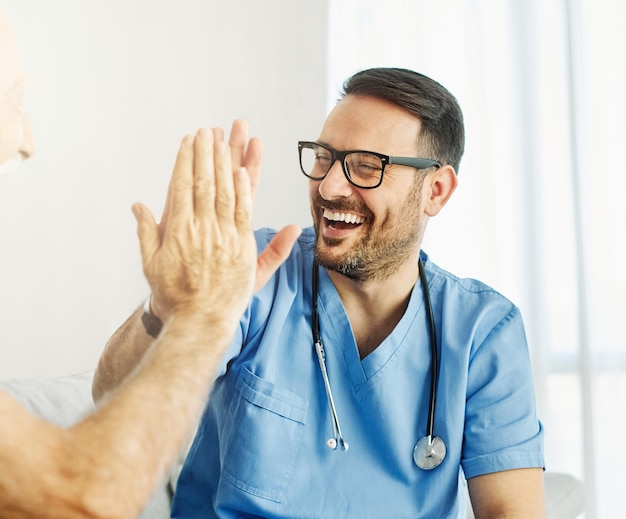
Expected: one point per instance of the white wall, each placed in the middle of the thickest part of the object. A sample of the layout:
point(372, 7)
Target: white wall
point(113, 86)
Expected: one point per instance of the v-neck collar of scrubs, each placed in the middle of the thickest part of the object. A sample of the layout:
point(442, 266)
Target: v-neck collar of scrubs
point(337, 332)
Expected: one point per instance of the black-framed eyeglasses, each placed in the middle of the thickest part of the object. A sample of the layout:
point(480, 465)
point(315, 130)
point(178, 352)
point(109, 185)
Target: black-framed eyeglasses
point(363, 169)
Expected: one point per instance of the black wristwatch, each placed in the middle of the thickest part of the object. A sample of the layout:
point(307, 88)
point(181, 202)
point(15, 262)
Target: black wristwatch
point(151, 322)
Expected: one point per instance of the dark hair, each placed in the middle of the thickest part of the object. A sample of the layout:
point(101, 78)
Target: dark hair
point(442, 133)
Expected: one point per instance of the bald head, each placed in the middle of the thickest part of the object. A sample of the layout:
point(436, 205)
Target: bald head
point(16, 142)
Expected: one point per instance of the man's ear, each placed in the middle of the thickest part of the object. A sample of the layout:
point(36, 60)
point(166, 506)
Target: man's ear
point(440, 186)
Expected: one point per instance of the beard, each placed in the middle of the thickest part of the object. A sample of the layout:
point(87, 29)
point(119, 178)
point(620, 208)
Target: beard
point(381, 250)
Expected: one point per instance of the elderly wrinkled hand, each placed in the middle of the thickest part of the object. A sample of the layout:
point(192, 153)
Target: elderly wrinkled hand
point(202, 257)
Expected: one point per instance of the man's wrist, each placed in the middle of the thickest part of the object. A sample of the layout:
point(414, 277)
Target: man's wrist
point(151, 322)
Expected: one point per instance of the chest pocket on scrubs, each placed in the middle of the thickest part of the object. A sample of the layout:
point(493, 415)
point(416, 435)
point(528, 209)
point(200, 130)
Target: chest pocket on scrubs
point(261, 436)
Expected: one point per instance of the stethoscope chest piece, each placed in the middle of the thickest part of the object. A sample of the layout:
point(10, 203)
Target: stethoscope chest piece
point(429, 452)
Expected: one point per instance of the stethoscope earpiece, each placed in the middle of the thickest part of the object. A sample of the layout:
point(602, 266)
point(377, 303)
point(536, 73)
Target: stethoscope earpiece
point(331, 443)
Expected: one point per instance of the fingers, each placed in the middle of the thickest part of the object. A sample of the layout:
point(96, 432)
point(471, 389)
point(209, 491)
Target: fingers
point(218, 134)
point(238, 142)
point(252, 162)
point(275, 254)
point(248, 154)
point(195, 166)
point(148, 233)
point(168, 197)
point(243, 202)
point(223, 164)
point(224, 184)
point(204, 185)
point(179, 203)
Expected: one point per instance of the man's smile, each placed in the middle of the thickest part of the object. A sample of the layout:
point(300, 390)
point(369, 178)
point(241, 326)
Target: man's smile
point(342, 219)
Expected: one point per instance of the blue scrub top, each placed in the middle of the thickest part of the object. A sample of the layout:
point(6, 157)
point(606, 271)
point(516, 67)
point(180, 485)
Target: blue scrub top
point(260, 450)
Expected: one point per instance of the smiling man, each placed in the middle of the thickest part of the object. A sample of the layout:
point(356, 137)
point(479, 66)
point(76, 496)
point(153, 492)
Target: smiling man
point(364, 380)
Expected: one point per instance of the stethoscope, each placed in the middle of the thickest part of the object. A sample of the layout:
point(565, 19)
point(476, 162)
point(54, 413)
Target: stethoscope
point(429, 451)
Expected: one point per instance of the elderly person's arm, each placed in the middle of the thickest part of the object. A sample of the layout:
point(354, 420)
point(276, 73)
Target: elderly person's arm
point(201, 260)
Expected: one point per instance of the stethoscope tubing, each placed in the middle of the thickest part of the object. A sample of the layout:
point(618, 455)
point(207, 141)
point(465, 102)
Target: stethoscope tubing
point(429, 451)
point(321, 357)
point(434, 354)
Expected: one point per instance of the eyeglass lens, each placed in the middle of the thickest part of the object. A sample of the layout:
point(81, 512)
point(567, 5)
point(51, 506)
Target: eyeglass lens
point(363, 169)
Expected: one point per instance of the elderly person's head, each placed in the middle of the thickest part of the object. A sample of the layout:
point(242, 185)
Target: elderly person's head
point(16, 140)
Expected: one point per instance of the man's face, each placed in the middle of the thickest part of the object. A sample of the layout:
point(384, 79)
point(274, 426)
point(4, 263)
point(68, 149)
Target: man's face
point(366, 234)
point(16, 141)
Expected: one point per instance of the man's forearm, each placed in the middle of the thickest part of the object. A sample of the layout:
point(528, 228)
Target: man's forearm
point(122, 353)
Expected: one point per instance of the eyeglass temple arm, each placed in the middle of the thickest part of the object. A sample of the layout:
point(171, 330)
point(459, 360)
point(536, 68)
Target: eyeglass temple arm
point(414, 162)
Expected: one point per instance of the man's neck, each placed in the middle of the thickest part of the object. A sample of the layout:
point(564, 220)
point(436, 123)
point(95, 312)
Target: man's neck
point(374, 307)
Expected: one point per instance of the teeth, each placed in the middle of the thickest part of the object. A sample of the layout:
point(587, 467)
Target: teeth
point(342, 217)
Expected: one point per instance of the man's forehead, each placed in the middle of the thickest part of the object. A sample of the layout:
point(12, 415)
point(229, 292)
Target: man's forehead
point(358, 120)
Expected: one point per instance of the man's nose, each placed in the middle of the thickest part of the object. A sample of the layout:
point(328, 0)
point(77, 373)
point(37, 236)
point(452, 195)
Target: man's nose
point(335, 184)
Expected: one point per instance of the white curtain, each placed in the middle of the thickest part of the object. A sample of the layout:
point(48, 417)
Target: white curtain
point(539, 213)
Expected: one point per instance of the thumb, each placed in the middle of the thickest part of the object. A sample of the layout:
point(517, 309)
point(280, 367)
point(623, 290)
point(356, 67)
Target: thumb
point(275, 254)
point(147, 231)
